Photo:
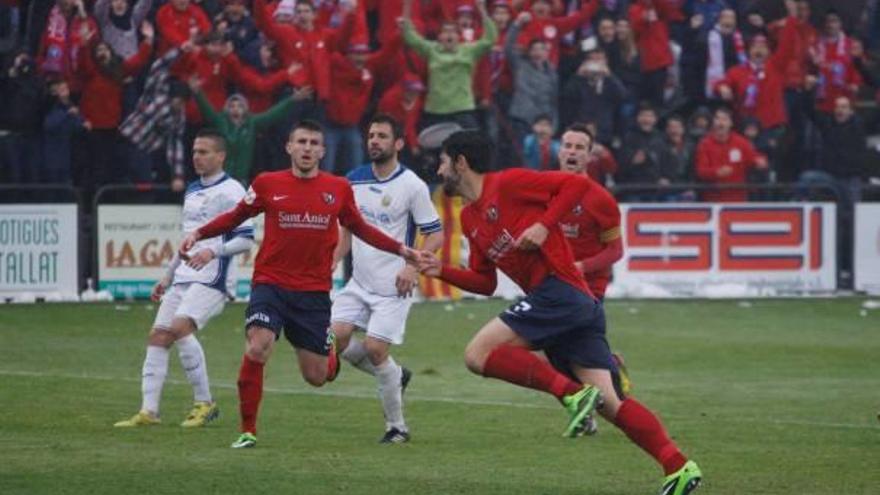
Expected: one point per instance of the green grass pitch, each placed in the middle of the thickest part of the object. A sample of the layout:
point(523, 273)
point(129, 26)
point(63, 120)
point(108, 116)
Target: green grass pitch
point(770, 397)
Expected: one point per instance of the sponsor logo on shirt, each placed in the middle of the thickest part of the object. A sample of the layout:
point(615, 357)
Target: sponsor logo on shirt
point(570, 230)
point(500, 246)
point(303, 220)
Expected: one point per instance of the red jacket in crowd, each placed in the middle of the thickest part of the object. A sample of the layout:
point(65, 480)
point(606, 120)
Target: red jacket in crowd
point(394, 104)
point(174, 25)
point(713, 155)
point(838, 75)
point(330, 15)
point(389, 11)
point(602, 164)
point(552, 29)
point(803, 38)
point(352, 87)
point(759, 91)
point(312, 49)
point(650, 19)
point(62, 44)
point(215, 75)
point(101, 103)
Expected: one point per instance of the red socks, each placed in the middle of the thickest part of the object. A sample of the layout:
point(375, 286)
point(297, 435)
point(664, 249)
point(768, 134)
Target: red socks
point(250, 392)
point(645, 430)
point(519, 366)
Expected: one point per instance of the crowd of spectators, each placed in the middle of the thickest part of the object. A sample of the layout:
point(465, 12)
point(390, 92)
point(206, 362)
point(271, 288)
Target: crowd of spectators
point(676, 91)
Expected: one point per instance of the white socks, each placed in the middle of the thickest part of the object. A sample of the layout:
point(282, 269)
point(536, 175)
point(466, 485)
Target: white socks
point(153, 377)
point(356, 354)
point(192, 358)
point(388, 375)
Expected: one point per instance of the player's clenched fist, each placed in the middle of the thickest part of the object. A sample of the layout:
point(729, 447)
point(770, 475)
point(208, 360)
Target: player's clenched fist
point(533, 237)
point(159, 289)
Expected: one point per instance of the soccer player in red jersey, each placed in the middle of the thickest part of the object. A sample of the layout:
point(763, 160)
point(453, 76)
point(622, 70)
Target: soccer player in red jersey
point(290, 288)
point(592, 229)
point(511, 222)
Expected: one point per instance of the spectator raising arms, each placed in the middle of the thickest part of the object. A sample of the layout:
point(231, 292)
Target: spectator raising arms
point(119, 20)
point(240, 127)
point(450, 68)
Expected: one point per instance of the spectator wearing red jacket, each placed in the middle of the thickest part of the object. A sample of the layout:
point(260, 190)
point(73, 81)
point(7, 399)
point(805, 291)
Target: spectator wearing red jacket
point(553, 29)
point(353, 80)
point(332, 14)
point(756, 87)
point(650, 21)
point(837, 74)
point(103, 74)
point(217, 67)
point(799, 98)
point(404, 101)
point(305, 42)
point(176, 22)
point(68, 30)
point(725, 157)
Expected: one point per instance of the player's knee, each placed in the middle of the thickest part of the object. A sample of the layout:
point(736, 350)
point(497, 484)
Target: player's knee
point(376, 351)
point(315, 376)
point(181, 327)
point(161, 338)
point(474, 360)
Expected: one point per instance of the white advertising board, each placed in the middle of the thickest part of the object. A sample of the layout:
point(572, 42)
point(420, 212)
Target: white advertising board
point(866, 259)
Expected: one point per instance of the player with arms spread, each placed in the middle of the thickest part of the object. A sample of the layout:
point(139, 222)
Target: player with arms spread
point(194, 292)
point(291, 283)
point(511, 223)
point(377, 298)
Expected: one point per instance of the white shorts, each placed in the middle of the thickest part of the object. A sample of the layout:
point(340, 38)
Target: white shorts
point(195, 301)
point(383, 317)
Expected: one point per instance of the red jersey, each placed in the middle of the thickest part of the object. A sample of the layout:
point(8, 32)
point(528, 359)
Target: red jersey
point(589, 227)
point(512, 201)
point(302, 216)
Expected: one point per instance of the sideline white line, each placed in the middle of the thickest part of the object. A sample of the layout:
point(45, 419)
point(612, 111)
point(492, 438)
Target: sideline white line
point(416, 398)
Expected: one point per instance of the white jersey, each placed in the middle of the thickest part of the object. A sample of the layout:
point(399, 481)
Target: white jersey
point(200, 205)
point(396, 206)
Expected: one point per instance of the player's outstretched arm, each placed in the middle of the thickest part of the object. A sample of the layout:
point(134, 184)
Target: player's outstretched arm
point(466, 279)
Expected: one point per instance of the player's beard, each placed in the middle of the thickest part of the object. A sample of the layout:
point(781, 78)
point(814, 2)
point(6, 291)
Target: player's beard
point(380, 156)
point(450, 184)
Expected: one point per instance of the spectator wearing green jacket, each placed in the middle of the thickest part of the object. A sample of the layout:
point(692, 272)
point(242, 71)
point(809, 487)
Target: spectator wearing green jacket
point(451, 66)
point(240, 127)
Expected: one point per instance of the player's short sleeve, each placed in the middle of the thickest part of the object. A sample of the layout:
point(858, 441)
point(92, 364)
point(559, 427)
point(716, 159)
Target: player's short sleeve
point(422, 208)
point(603, 207)
point(236, 193)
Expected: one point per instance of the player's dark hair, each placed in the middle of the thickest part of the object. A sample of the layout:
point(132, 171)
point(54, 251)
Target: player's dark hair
point(473, 145)
point(384, 118)
point(215, 136)
point(309, 3)
point(583, 129)
point(308, 125)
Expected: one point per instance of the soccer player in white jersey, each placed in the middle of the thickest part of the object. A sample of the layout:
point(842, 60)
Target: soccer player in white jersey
point(195, 291)
point(378, 297)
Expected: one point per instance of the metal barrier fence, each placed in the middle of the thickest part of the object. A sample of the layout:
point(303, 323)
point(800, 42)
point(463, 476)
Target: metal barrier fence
point(160, 194)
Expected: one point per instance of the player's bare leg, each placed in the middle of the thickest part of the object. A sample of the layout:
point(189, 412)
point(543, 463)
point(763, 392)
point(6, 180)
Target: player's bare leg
point(645, 430)
point(258, 349)
point(313, 367)
point(496, 351)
